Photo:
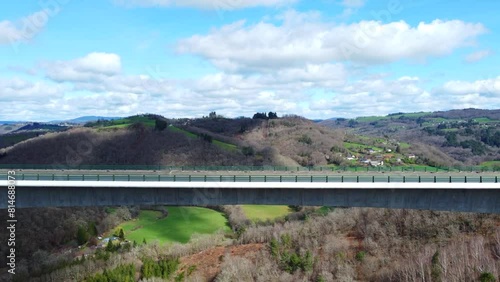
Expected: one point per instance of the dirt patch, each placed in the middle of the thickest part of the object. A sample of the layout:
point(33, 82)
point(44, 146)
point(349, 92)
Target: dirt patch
point(355, 242)
point(208, 262)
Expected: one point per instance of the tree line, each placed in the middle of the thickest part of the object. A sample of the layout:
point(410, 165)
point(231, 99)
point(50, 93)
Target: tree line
point(270, 115)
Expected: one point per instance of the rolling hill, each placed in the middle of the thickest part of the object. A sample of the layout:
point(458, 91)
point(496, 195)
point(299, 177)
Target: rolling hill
point(85, 119)
point(458, 137)
point(469, 136)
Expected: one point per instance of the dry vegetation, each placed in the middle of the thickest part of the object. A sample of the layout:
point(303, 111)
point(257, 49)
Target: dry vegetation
point(296, 140)
point(41, 231)
point(291, 140)
point(343, 245)
point(377, 245)
point(138, 146)
point(288, 141)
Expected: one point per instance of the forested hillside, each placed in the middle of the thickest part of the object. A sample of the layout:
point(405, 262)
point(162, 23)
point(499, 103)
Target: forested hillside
point(454, 138)
point(467, 137)
point(309, 245)
point(143, 140)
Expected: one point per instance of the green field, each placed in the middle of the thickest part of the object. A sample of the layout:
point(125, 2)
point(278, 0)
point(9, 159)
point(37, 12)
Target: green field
point(125, 122)
point(178, 226)
point(125, 125)
point(413, 115)
point(225, 146)
point(130, 120)
point(377, 118)
point(372, 139)
point(359, 146)
point(185, 132)
point(220, 144)
point(490, 163)
point(485, 120)
point(370, 118)
point(263, 213)
point(404, 145)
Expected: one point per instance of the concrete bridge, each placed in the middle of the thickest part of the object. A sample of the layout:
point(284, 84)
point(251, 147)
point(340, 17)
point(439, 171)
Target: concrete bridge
point(468, 193)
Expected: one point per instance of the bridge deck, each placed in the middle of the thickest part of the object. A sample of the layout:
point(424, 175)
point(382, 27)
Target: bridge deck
point(228, 177)
point(472, 193)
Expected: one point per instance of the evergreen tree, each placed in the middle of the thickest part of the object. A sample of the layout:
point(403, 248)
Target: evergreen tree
point(259, 116)
point(160, 124)
point(82, 236)
point(110, 247)
point(272, 115)
point(92, 229)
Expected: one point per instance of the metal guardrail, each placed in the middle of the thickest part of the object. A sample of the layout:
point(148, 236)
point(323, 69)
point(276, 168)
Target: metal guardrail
point(258, 168)
point(256, 178)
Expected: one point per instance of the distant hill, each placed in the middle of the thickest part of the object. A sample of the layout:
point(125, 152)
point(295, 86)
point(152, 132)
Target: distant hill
point(11, 122)
point(85, 119)
point(145, 119)
point(458, 137)
point(10, 127)
point(468, 136)
point(325, 120)
point(41, 127)
point(12, 134)
point(289, 141)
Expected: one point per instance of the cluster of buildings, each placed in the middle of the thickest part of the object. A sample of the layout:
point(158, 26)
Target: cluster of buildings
point(376, 158)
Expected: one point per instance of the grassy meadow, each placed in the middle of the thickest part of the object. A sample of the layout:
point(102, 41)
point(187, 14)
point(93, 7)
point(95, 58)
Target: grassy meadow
point(178, 226)
point(263, 213)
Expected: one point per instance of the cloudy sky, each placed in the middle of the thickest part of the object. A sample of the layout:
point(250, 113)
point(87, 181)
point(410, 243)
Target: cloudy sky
point(184, 58)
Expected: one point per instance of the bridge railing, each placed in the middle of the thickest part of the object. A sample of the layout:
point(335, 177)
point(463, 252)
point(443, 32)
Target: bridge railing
point(415, 168)
point(255, 178)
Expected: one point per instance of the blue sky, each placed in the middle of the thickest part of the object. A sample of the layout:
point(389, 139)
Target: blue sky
point(320, 59)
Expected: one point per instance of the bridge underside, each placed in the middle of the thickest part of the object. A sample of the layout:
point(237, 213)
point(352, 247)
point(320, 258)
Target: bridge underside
point(465, 200)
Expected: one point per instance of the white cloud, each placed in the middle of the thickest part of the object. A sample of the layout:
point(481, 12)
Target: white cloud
point(207, 4)
point(302, 39)
point(91, 67)
point(126, 84)
point(284, 90)
point(24, 29)
point(485, 87)
point(404, 86)
point(374, 96)
point(27, 100)
point(235, 95)
point(96, 85)
point(287, 90)
point(17, 90)
point(477, 56)
point(106, 63)
point(378, 97)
